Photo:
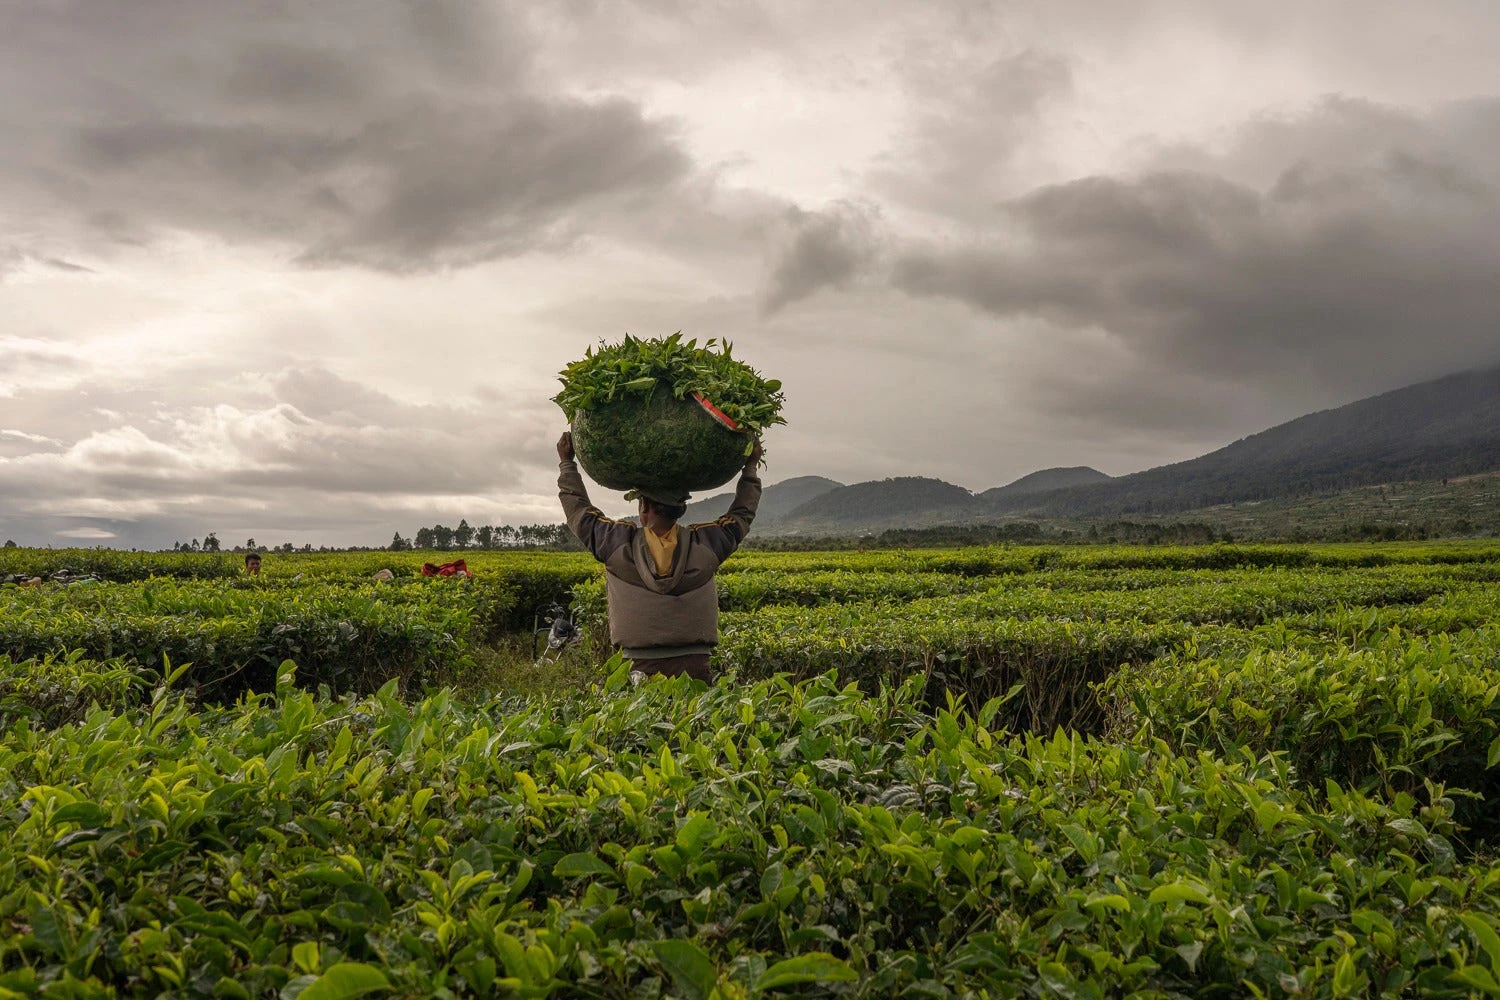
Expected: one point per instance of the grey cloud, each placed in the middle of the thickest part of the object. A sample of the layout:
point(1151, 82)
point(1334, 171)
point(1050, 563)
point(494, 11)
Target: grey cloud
point(1376, 271)
point(321, 394)
point(424, 186)
point(826, 249)
point(13, 259)
point(1117, 320)
point(15, 442)
point(264, 460)
point(1346, 136)
point(89, 534)
point(27, 363)
point(397, 136)
point(956, 157)
point(66, 265)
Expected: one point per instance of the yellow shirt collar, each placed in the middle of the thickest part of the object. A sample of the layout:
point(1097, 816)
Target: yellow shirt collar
point(662, 548)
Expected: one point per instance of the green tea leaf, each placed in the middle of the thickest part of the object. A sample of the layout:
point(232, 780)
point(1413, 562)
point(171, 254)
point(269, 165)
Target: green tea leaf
point(82, 813)
point(697, 830)
point(574, 865)
point(1480, 978)
point(346, 980)
point(1488, 939)
point(806, 825)
point(1190, 954)
point(1178, 892)
point(305, 956)
point(813, 967)
point(689, 965)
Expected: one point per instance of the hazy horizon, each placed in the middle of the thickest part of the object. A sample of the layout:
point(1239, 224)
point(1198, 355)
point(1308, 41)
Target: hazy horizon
point(308, 273)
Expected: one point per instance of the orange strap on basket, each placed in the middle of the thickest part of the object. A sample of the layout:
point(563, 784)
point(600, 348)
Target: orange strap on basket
point(715, 412)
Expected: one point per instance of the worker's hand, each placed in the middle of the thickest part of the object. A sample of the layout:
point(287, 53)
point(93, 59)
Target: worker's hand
point(565, 446)
point(754, 460)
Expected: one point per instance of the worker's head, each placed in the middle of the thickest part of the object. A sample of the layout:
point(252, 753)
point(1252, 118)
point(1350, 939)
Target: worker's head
point(252, 563)
point(660, 514)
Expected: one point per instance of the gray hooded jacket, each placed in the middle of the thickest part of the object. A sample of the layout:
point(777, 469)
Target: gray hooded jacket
point(653, 617)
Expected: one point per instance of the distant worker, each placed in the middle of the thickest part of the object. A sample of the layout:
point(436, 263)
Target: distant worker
point(659, 578)
point(252, 563)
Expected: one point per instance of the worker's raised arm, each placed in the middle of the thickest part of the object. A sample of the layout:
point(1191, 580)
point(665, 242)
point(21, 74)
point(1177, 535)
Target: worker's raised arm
point(726, 534)
point(746, 495)
point(599, 534)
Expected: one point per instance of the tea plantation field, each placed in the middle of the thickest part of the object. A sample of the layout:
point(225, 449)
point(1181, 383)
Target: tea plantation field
point(1009, 772)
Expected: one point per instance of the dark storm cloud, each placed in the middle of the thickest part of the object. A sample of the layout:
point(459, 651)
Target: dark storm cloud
point(428, 185)
point(1374, 264)
point(826, 249)
point(395, 136)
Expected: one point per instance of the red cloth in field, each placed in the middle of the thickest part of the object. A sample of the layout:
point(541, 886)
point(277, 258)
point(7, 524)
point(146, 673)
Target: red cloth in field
point(446, 569)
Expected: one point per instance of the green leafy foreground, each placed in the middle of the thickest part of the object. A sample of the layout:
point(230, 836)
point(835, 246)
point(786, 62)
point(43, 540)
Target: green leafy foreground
point(671, 839)
point(640, 369)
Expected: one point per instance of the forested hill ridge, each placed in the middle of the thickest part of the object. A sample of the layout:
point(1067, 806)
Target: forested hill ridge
point(1434, 430)
point(883, 503)
point(1050, 479)
point(776, 501)
point(1449, 427)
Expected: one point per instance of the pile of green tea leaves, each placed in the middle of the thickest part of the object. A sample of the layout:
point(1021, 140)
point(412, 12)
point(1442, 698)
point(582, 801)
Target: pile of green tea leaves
point(643, 368)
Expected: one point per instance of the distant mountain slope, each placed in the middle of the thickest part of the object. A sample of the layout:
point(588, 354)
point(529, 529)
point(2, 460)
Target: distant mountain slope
point(1447, 427)
point(1050, 479)
point(776, 500)
point(880, 504)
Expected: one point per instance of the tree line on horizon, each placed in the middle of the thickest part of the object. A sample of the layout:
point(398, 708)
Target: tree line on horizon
point(487, 537)
point(438, 537)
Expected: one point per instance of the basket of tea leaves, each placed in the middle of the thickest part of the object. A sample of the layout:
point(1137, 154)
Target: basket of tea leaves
point(665, 415)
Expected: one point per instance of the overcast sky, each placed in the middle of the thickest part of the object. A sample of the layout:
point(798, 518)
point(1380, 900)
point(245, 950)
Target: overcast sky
point(307, 272)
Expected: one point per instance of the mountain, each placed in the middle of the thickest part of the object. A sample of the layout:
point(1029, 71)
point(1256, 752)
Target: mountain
point(1443, 428)
point(1446, 428)
point(776, 501)
point(1049, 479)
point(880, 504)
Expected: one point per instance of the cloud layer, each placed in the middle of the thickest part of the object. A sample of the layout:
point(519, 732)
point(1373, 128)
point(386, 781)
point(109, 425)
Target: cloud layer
point(306, 272)
point(396, 136)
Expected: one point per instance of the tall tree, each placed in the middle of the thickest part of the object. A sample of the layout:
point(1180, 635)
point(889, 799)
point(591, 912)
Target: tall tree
point(463, 535)
point(485, 536)
point(398, 544)
point(425, 539)
point(211, 542)
point(443, 535)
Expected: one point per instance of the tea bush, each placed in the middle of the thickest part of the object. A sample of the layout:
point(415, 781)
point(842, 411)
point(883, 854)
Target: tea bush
point(50, 691)
point(533, 578)
point(735, 841)
point(1055, 633)
point(234, 638)
point(1052, 663)
point(1391, 716)
point(1282, 799)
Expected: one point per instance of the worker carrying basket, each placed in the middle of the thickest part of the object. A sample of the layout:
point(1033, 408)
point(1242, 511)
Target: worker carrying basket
point(663, 419)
